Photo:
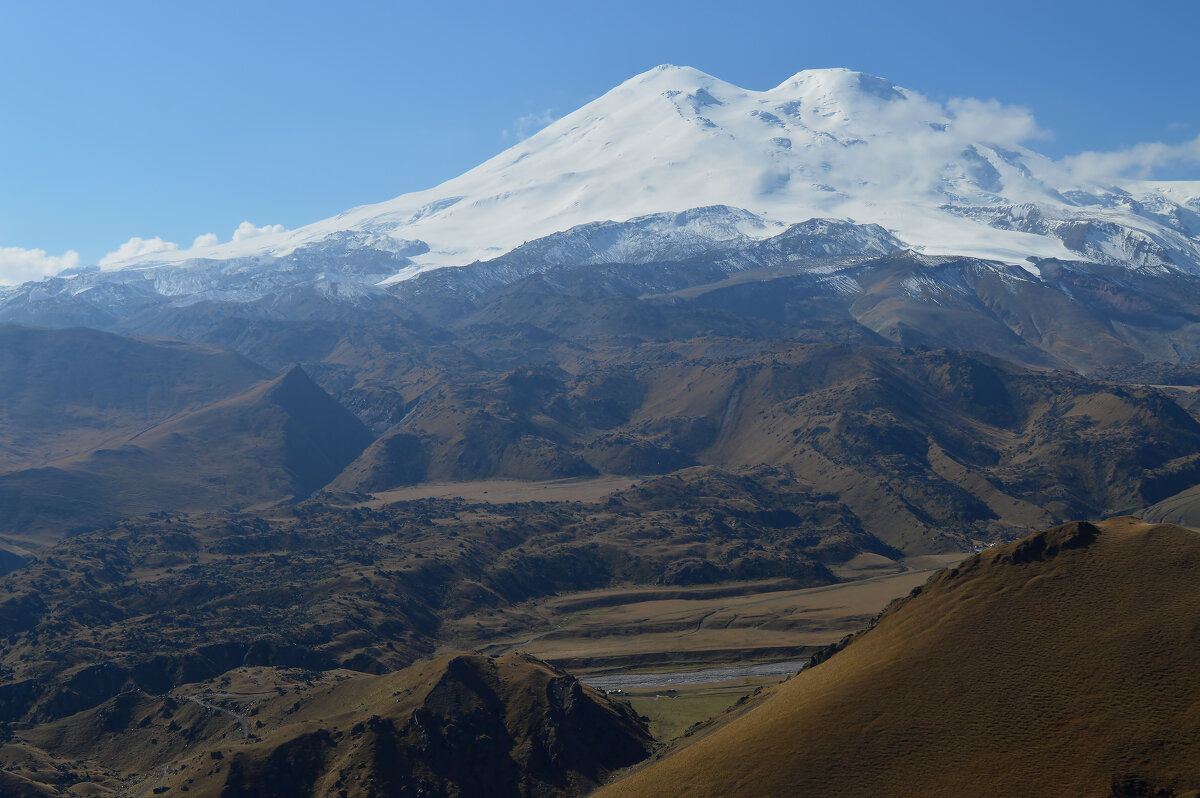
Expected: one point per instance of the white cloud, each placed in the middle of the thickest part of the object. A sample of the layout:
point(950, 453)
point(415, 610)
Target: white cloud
point(913, 142)
point(526, 126)
point(248, 230)
point(19, 265)
point(910, 155)
point(137, 247)
point(991, 122)
point(1137, 161)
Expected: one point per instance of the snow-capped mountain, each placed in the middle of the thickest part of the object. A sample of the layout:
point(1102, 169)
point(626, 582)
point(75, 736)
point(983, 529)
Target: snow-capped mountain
point(827, 143)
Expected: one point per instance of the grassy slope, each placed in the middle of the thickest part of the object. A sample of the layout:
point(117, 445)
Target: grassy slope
point(1064, 675)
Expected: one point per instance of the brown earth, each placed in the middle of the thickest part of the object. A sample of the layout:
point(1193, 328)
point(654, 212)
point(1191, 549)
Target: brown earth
point(664, 628)
point(614, 371)
point(764, 430)
point(64, 393)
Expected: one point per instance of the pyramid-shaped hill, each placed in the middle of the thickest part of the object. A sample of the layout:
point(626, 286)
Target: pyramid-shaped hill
point(284, 437)
point(64, 393)
point(1063, 664)
point(281, 439)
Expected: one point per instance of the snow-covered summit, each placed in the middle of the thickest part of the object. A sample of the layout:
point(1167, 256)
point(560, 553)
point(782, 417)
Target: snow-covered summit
point(830, 143)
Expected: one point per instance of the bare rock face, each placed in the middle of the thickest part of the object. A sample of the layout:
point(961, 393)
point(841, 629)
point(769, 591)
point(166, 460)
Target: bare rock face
point(1048, 543)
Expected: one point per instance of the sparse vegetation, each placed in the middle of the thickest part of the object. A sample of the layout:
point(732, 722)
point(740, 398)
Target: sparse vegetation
point(617, 468)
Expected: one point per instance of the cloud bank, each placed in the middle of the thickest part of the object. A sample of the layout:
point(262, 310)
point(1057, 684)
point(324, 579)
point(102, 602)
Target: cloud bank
point(1138, 161)
point(248, 230)
point(909, 146)
point(19, 265)
point(137, 247)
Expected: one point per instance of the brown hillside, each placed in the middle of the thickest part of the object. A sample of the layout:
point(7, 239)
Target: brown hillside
point(1062, 664)
point(281, 439)
point(1182, 508)
point(914, 443)
point(464, 724)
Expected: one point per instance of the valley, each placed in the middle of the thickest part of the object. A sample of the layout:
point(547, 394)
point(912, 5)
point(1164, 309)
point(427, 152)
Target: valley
point(937, 718)
point(155, 627)
point(690, 499)
point(595, 633)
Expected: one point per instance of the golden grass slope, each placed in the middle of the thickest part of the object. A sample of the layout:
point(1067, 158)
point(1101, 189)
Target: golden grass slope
point(1063, 664)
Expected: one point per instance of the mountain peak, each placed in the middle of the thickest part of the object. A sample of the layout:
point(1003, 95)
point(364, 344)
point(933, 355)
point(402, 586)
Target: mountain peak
point(841, 81)
point(674, 70)
point(667, 79)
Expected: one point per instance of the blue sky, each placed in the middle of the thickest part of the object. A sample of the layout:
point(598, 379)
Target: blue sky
point(179, 119)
